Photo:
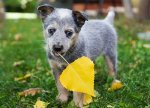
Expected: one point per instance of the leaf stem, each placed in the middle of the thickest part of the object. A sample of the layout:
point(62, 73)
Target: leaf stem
point(63, 58)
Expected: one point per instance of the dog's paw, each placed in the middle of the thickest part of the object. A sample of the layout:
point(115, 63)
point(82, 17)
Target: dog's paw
point(78, 99)
point(79, 104)
point(62, 98)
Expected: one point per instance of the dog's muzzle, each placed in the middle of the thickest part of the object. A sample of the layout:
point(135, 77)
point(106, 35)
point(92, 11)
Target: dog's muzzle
point(58, 49)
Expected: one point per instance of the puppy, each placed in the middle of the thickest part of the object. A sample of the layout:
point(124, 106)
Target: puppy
point(70, 34)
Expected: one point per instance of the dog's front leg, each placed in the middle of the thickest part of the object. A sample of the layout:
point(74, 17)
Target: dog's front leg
point(62, 92)
point(78, 99)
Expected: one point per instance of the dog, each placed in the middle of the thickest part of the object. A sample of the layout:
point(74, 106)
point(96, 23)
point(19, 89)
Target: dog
point(70, 34)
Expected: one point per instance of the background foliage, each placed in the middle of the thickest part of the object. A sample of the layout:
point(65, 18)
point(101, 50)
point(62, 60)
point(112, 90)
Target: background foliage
point(20, 5)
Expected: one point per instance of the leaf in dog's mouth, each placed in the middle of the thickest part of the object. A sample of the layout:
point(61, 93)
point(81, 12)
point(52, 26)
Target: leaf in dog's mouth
point(79, 76)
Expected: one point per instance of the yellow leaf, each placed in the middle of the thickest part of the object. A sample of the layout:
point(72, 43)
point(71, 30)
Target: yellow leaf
point(31, 91)
point(115, 85)
point(87, 99)
point(79, 77)
point(40, 104)
point(18, 63)
point(24, 77)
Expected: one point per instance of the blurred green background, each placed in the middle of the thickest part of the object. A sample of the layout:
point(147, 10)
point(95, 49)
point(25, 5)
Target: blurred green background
point(20, 5)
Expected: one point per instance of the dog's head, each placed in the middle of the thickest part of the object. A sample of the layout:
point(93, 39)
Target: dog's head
point(61, 28)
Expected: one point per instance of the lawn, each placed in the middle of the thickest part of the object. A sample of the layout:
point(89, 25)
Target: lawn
point(133, 68)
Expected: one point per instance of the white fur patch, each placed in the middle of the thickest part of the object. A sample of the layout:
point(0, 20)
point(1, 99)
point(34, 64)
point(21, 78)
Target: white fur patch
point(63, 13)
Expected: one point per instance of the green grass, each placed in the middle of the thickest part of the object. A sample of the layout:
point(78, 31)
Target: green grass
point(133, 68)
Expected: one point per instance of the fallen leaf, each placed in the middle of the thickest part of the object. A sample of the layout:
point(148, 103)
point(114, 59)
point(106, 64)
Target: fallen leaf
point(31, 91)
point(23, 77)
point(18, 37)
point(81, 78)
point(40, 104)
point(115, 85)
point(110, 106)
point(18, 63)
point(23, 81)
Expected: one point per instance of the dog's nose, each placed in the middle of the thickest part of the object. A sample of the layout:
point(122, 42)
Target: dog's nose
point(57, 48)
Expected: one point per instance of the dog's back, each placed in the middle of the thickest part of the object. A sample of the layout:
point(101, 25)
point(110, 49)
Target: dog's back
point(99, 36)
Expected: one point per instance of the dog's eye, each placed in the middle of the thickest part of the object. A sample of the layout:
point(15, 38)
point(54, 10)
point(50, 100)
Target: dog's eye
point(51, 31)
point(68, 33)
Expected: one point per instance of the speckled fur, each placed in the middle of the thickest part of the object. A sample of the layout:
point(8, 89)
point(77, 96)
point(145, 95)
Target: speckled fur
point(94, 38)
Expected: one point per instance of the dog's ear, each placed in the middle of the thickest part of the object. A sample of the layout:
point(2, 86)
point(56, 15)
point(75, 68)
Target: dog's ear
point(45, 10)
point(79, 18)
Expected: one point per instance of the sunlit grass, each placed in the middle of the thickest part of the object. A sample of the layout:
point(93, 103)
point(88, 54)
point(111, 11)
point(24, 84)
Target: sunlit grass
point(133, 68)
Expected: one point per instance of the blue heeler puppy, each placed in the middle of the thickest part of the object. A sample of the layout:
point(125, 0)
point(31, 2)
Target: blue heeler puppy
point(70, 34)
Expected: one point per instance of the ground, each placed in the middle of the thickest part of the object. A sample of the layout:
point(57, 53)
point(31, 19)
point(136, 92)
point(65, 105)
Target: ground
point(133, 68)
